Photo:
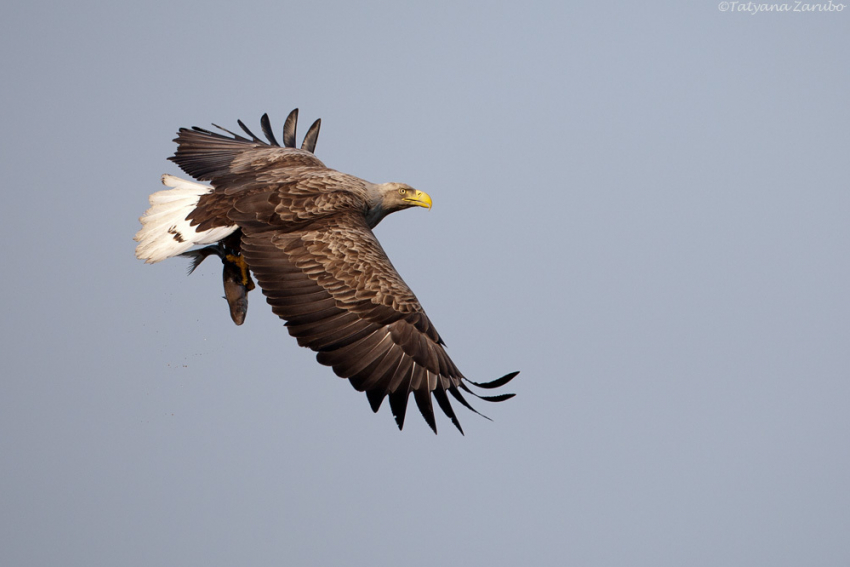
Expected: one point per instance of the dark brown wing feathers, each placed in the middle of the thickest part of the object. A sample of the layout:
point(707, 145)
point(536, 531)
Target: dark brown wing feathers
point(289, 128)
point(311, 137)
point(266, 124)
point(210, 156)
point(305, 238)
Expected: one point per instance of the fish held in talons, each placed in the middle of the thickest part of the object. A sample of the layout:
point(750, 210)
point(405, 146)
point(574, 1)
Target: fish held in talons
point(236, 275)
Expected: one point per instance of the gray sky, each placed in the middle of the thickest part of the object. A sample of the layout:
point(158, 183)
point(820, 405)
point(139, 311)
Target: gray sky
point(642, 207)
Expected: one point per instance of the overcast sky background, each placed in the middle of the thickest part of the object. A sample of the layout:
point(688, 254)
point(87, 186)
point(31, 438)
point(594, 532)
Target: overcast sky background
point(641, 206)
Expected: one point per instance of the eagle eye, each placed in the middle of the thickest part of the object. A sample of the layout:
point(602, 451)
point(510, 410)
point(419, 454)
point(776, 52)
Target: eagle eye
point(402, 191)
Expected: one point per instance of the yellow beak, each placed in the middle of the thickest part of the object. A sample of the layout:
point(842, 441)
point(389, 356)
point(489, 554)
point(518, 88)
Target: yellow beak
point(420, 199)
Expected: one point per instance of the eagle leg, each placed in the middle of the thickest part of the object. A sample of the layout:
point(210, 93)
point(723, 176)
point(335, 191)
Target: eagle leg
point(238, 262)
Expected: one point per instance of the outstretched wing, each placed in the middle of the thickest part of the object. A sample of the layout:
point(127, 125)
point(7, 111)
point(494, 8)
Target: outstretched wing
point(340, 296)
point(236, 164)
point(210, 156)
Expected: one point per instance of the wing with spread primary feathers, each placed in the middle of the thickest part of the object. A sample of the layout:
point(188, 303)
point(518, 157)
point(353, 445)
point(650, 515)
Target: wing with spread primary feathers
point(334, 285)
point(210, 156)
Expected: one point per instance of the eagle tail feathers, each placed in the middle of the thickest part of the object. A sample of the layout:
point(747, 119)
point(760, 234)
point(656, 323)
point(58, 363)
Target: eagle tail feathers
point(165, 232)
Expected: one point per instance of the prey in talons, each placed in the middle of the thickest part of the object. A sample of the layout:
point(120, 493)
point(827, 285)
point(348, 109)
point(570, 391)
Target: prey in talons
point(235, 274)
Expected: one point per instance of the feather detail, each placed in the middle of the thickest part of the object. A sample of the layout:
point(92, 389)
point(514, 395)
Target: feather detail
point(165, 231)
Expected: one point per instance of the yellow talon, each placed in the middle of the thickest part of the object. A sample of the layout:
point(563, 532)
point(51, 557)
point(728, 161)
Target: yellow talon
point(238, 260)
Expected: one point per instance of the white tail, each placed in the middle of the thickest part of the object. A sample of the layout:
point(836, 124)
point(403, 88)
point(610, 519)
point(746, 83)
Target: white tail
point(165, 231)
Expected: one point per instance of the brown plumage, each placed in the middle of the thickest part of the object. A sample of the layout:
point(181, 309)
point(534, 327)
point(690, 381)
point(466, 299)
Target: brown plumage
point(306, 234)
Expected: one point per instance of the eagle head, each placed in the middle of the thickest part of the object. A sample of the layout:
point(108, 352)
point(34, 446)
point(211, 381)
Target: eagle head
point(398, 196)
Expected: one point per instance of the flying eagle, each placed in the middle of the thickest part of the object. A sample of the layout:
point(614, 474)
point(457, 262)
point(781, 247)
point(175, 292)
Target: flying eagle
point(305, 232)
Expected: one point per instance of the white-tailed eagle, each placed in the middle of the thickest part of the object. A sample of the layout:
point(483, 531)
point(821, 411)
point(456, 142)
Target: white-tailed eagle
point(305, 233)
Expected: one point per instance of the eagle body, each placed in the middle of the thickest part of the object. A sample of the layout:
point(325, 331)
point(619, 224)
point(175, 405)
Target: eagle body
point(305, 233)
